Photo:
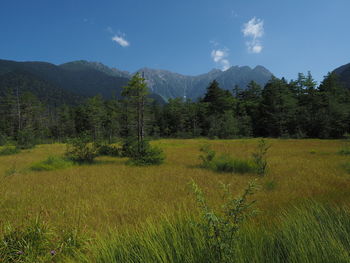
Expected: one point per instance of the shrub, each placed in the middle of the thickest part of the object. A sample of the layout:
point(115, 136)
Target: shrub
point(9, 150)
point(81, 150)
point(130, 147)
point(51, 163)
point(227, 164)
point(150, 156)
point(108, 150)
point(26, 139)
point(207, 157)
point(221, 228)
point(3, 139)
point(259, 157)
point(143, 154)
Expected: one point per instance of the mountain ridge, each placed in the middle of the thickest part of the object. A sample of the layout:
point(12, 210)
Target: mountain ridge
point(87, 78)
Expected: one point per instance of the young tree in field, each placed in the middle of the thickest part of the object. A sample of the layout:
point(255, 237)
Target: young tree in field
point(142, 153)
point(135, 94)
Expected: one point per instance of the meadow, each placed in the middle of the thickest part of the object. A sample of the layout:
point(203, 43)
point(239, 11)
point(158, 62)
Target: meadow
point(109, 196)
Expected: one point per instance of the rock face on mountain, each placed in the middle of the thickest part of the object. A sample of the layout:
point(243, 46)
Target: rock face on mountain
point(86, 79)
point(344, 75)
point(171, 85)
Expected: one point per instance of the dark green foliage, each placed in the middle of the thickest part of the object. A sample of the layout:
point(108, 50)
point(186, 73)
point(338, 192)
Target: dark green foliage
point(295, 109)
point(145, 155)
point(108, 150)
point(52, 163)
point(277, 109)
point(3, 139)
point(8, 150)
point(259, 157)
point(26, 139)
point(81, 149)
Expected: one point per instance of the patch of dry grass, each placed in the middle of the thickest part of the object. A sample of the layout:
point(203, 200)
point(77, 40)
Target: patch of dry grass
point(110, 194)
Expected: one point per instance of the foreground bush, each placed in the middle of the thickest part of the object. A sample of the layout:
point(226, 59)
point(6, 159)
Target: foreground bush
point(51, 163)
point(143, 154)
point(81, 150)
point(8, 150)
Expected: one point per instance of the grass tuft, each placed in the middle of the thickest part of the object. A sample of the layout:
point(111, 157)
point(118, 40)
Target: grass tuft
point(345, 150)
point(8, 150)
point(52, 163)
point(227, 164)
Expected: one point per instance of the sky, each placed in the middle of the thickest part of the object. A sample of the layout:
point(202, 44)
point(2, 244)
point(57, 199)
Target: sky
point(190, 37)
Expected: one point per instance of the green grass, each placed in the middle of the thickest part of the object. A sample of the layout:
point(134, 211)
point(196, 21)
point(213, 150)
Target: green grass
point(228, 164)
point(52, 163)
point(308, 233)
point(113, 195)
point(8, 150)
point(345, 150)
point(37, 242)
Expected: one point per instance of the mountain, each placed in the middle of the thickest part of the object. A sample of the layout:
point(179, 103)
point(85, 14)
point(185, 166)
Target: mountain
point(84, 79)
point(344, 75)
point(171, 85)
point(83, 64)
point(44, 91)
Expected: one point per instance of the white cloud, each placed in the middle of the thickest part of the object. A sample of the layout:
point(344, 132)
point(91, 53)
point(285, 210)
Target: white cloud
point(257, 48)
point(254, 46)
point(254, 29)
point(220, 57)
point(121, 41)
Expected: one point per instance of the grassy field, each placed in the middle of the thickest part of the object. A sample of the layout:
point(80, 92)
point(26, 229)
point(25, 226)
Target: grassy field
point(111, 195)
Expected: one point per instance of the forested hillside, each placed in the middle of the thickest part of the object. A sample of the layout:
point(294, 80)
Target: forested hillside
point(343, 73)
point(83, 81)
point(298, 109)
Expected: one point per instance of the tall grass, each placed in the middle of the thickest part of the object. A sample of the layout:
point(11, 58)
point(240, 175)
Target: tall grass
point(37, 242)
point(225, 163)
point(308, 233)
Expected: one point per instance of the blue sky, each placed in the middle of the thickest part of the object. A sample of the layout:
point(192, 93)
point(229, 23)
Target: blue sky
point(186, 36)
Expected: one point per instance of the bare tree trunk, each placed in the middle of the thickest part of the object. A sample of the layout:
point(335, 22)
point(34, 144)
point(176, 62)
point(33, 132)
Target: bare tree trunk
point(18, 111)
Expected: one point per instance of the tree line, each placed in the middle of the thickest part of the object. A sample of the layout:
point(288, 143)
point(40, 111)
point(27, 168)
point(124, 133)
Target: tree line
point(296, 109)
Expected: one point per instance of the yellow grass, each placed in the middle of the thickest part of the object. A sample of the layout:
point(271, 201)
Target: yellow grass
point(111, 194)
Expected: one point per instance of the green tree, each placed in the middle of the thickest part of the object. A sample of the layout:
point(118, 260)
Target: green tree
point(135, 94)
point(277, 109)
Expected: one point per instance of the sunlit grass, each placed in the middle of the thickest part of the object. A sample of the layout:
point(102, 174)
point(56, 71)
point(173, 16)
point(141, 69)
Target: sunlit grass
point(111, 194)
